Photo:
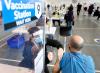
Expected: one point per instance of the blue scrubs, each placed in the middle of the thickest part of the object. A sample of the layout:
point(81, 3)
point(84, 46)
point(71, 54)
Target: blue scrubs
point(76, 63)
point(28, 56)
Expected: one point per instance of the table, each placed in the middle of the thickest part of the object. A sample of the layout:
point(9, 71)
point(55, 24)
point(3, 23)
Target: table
point(57, 19)
point(4, 68)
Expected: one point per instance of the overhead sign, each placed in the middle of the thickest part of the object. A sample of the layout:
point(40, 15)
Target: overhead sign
point(19, 12)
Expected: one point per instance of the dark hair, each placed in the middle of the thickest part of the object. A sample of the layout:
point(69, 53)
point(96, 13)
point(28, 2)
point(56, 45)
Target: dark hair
point(76, 45)
point(48, 6)
point(53, 13)
point(70, 8)
point(54, 43)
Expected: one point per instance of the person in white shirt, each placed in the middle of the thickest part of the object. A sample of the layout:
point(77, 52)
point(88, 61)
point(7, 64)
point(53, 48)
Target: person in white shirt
point(85, 9)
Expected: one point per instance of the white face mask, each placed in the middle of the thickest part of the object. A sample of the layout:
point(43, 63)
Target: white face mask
point(38, 40)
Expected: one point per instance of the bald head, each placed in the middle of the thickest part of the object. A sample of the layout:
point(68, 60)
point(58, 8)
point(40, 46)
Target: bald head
point(76, 42)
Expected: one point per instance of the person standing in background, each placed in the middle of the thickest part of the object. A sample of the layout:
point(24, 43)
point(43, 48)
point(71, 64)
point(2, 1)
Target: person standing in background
point(27, 55)
point(96, 12)
point(98, 15)
point(48, 11)
point(90, 10)
point(69, 19)
point(71, 7)
point(85, 9)
point(79, 6)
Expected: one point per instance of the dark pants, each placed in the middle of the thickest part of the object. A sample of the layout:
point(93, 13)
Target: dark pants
point(56, 21)
point(69, 28)
point(78, 12)
point(98, 17)
point(90, 12)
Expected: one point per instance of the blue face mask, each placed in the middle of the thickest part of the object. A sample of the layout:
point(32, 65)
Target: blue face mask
point(39, 40)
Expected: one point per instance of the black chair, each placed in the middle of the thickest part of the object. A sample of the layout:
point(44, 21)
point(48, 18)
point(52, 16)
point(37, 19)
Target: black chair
point(65, 31)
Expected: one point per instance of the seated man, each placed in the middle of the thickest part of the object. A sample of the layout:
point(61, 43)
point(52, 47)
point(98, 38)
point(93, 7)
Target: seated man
point(74, 61)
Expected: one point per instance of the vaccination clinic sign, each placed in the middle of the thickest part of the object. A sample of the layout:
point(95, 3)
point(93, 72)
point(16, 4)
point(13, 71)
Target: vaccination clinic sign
point(19, 12)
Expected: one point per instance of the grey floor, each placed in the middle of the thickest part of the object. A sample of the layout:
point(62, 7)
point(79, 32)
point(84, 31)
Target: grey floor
point(89, 29)
point(8, 55)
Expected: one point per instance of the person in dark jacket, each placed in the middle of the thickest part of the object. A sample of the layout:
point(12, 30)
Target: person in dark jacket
point(85, 9)
point(98, 16)
point(71, 7)
point(79, 6)
point(28, 57)
point(69, 19)
point(90, 10)
point(96, 12)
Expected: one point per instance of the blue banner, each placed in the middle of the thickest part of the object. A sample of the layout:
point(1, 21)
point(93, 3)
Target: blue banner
point(18, 12)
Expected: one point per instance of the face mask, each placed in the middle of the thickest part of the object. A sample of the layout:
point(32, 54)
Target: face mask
point(39, 41)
